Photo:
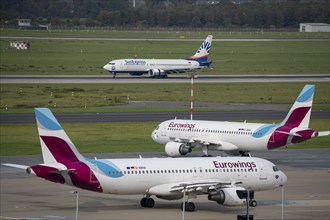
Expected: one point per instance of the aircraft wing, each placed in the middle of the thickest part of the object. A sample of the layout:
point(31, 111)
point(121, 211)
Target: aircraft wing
point(168, 71)
point(223, 145)
point(59, 167)
point(195, 187)
point(324, 133)
point(202, 185)
point(15, 166)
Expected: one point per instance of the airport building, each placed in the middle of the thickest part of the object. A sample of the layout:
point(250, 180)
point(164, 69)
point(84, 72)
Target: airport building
point(24, 23)
point(314, 27)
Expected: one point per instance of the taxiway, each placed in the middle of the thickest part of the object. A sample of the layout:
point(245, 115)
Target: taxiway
point(306, 195)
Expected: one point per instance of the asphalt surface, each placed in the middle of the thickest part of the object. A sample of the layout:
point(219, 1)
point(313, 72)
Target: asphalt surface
point(306, 194)
point(124, 78)
point(156, 116)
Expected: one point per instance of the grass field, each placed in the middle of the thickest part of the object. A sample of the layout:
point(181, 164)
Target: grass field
point(99, 97)
point(81, 57)
point(171, 34)
point(110, 137)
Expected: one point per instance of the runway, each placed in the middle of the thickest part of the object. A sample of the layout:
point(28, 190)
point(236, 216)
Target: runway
point(156, 116)
point(123, 78)
point(306, 195)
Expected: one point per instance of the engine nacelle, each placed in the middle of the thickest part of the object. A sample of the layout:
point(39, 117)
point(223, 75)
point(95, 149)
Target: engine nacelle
point(156, 73)
point(175, 149)
point(228, 196)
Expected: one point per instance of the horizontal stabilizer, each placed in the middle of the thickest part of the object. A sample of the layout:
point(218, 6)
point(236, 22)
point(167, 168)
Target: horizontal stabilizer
point(63, 171)
point(289, 133)
point(324, 133)
point(16, 166)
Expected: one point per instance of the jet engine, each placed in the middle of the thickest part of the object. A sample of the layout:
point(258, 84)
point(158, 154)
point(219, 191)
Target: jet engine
point(174, 149)
point(157, 73)
point(228, 196)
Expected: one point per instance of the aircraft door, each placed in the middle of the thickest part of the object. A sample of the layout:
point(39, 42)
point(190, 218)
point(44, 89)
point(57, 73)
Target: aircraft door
point(92, 175)
point(205, 132)
point(195, 172)
point(263, 171)
point(121, 65)
point(162, 131)
point(198, 172)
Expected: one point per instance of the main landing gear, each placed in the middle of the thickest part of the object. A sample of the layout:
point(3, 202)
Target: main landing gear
point(147, 202)
point(189, 206)
point(245, 154)
point(205, 151)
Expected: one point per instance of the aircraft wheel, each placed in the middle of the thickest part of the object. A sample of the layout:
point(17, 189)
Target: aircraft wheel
point(189, 206)
point(147, 202)
point(143, 202)
point(150, 202)
point(253, 203)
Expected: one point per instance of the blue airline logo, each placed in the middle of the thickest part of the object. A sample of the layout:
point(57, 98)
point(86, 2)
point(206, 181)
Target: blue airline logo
point(205, 45)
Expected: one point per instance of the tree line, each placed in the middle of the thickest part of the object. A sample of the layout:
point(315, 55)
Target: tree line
point(167, 13)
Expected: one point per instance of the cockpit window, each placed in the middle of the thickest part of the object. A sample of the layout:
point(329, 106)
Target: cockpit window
point(112, 63)
point(275, 169)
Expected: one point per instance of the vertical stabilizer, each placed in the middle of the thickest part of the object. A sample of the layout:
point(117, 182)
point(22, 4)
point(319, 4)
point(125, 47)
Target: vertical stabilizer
point(203, 51)
point(56, 146)
point(300, 113)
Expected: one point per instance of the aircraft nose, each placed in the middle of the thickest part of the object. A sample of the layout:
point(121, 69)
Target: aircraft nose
point(283, 178)
point(154, 136)
point(106, 67)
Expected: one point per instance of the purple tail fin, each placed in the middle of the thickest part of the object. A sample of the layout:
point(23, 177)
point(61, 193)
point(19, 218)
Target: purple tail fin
point(55, 144)
point(300, 113)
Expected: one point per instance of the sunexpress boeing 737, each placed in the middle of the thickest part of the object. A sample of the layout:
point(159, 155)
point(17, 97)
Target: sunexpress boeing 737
point(180, 136)
point(221, 179)
point(162, 67)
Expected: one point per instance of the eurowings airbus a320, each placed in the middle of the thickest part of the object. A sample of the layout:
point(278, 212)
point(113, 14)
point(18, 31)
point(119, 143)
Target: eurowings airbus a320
point(235, 138)
point(221, 179)
point(162, 67)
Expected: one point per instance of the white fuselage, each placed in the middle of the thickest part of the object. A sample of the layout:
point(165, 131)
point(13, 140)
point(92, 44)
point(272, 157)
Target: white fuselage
point(228, 136)
point(137, 176)
point(142, 66)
